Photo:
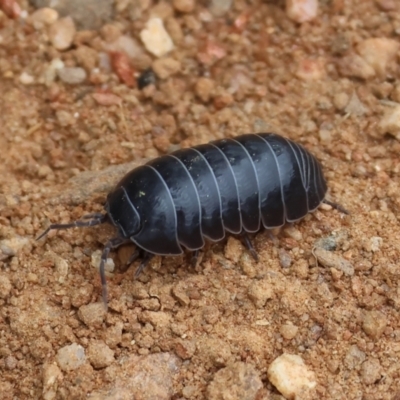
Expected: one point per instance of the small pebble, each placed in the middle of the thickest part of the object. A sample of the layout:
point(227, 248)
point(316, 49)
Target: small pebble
point(166, 67)
point(215, 350)
point(184, 6)
point(288, 331)
point(374, 323)
point(325, 135)
point(328, 243)
point(50, 71)
point(390, 122)
point(233, 249)
point(189, 391)
point(259, 292)
point(220, 7)
point(106, 99)
point(61, 268)
point(180, 293)
point(236, 381)
point(301, 268)
point(382, 90)
point(340, 100)
point(355, 106)
point(290, 376)
point(204, 88)
point(10, 363)
point(62, 33)
point(65, 118)
point(211, 314)
point(10, 247)
point(81, 295)
point(42, 17)
point(185, 349)
point(293, 233)
point(310, 70)
point(71, 357)
point(99, 354)
point(386, 5)
point(50, 376)
point(354, 357)
point(246, 263)
point(12, 9)
point(86, 57)
point(96, 259)
point(355, 66)
point(71, 75)
point(175, 30)
point(92, 315)
point(150, 376)
point(127, 45)
point(155, 38)
point(375, 243)
point(121, 65)
point(113, 335)
point(26, 79)
point(285, 259)
point(371, 371)
point(329, 259)
point(160, 320)
point(379, 53)
point(301, 10)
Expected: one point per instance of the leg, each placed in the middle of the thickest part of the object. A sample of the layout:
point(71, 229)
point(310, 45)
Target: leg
point(135, 255)
point(146, 258)
point(249, 245)
point(111, 244)
point(336, 206)
point(92, 220)
point(195, 257)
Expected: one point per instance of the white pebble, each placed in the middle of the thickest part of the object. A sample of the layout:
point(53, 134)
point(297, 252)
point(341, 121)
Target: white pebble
point(301, 10)
point(26, 79)
point(155, 38)
point(96, 259)
point(10, 247)
point(72, 75)
point(62, 33)
point(290, 375)
point(376, 243)
point(71, 357)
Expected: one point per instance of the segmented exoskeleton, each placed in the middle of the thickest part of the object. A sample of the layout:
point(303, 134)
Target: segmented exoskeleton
point(231, 185)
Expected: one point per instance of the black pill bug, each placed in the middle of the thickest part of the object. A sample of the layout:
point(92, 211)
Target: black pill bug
point(229, 185)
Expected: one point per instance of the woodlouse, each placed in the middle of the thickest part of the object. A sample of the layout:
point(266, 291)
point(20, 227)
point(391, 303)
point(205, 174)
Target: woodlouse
point(228, 185)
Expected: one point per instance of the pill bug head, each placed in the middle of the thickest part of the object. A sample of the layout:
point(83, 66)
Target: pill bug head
point(121, 213)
